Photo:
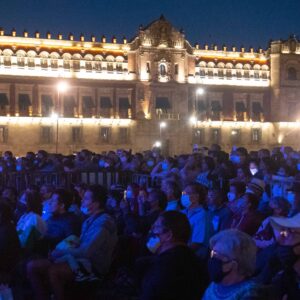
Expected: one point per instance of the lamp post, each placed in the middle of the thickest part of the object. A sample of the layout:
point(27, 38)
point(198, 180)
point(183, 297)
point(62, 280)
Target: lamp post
point(199, 91)
point(162, 125)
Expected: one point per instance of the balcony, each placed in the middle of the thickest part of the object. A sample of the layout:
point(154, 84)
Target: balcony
point(168, 116)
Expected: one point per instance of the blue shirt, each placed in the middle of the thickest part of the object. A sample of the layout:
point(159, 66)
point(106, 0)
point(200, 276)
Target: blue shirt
point(198, 220)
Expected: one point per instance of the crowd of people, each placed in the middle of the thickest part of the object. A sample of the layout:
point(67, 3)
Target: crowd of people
point(214, 226)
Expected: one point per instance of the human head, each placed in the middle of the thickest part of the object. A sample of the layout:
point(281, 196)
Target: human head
point(243, 173)
point(208, 164)
point(94, 200)
point(113, 199)
point(214, 198)
point(59, 202)
point(10, 193)
point(157, 200)
point(287, 234)
point(46, 191)
point(280, 206)
point(195, 193)
point(170, 229)
point(253, 167)
point(237, 189)
point(234, 252)
point(246, 203)
point(172, 189)
point(33, 202)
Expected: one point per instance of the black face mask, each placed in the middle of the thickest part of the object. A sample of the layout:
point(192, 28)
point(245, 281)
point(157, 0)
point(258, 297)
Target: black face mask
point(286, 255)
point(215, 271)
point(147, 205)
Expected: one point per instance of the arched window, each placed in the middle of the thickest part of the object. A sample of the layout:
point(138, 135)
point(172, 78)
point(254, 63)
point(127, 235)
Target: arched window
point(162, 70)
point(292, 74)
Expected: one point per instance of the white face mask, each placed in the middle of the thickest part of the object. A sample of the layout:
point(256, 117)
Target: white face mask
point(231, 196)
point(153, 244)
point(253, 171)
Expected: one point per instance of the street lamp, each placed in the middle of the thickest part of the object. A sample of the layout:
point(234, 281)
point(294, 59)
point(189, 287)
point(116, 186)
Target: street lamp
point(161, 126)
point(199, 91)
point(157, 144)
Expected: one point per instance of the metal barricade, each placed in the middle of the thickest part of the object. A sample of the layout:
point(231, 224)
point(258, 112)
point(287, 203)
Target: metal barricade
point(21, 180)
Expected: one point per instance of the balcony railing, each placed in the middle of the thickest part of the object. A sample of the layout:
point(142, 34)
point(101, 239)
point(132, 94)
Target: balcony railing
point(168, 116)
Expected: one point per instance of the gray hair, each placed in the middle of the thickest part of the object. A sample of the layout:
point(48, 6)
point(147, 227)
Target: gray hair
point(239, 247)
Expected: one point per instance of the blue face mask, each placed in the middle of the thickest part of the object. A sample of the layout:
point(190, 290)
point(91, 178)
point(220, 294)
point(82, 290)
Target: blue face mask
point(150, 163)
point(101, 163)
point(84, 210)
point(298, 166)
point(153, 244)
point(1, 169)
point(185, 200)
point(235, 159)
point(18, 168)
point(129, 194)
point(291, 197)
point(165, 166)
point(277, 191)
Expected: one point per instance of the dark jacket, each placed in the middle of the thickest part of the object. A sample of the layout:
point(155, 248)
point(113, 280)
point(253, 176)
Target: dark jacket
point(174, 274)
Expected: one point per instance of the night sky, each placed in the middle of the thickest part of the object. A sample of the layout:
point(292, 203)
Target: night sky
point(230, 22)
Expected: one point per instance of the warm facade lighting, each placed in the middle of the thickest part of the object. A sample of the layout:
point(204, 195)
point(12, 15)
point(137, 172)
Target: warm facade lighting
point(62, 87)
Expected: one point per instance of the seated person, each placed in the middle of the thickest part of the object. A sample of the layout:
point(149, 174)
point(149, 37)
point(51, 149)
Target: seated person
point(192, 199)
point(285, 283)
point(173, 272)
point(97, 242)
point(62, 223)
point(246, 217)
point(31, 227)
point(232, 263)
point(9, 244)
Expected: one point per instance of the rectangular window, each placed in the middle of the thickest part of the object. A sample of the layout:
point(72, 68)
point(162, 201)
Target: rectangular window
point(176, 69)
point(198, 136)
point(216, 135)
point(235, 136)
point(76, 135)
point(46, 134)
point(123, 135)
point(3, 134)
point(256, 135)
point(105, 135)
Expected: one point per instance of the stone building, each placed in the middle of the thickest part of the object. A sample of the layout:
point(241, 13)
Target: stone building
point(63, 94)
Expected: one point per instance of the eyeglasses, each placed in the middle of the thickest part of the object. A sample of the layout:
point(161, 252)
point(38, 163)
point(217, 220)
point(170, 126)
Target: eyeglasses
point(222, 257)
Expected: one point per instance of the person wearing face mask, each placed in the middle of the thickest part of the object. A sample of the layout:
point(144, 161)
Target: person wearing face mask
point(173, 192)
point(246, 217)
point(264, 236)
point(293, 197)
point(192, 199)
point(236, 191)
point(150, 207)
point(97, 241)
point(173, 272)
point(207, 168)
point(285, 283)
point(61, 223)
point(163, 168)
point(230, 267)
point(219, 215)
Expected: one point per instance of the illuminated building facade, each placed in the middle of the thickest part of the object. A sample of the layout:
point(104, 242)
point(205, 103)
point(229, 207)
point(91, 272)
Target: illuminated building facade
point(119, 94)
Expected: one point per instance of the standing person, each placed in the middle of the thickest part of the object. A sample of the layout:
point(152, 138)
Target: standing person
point(232, 263)
point(46, 191)
point(207, 168)
point(192, 199)
point(173, 272)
